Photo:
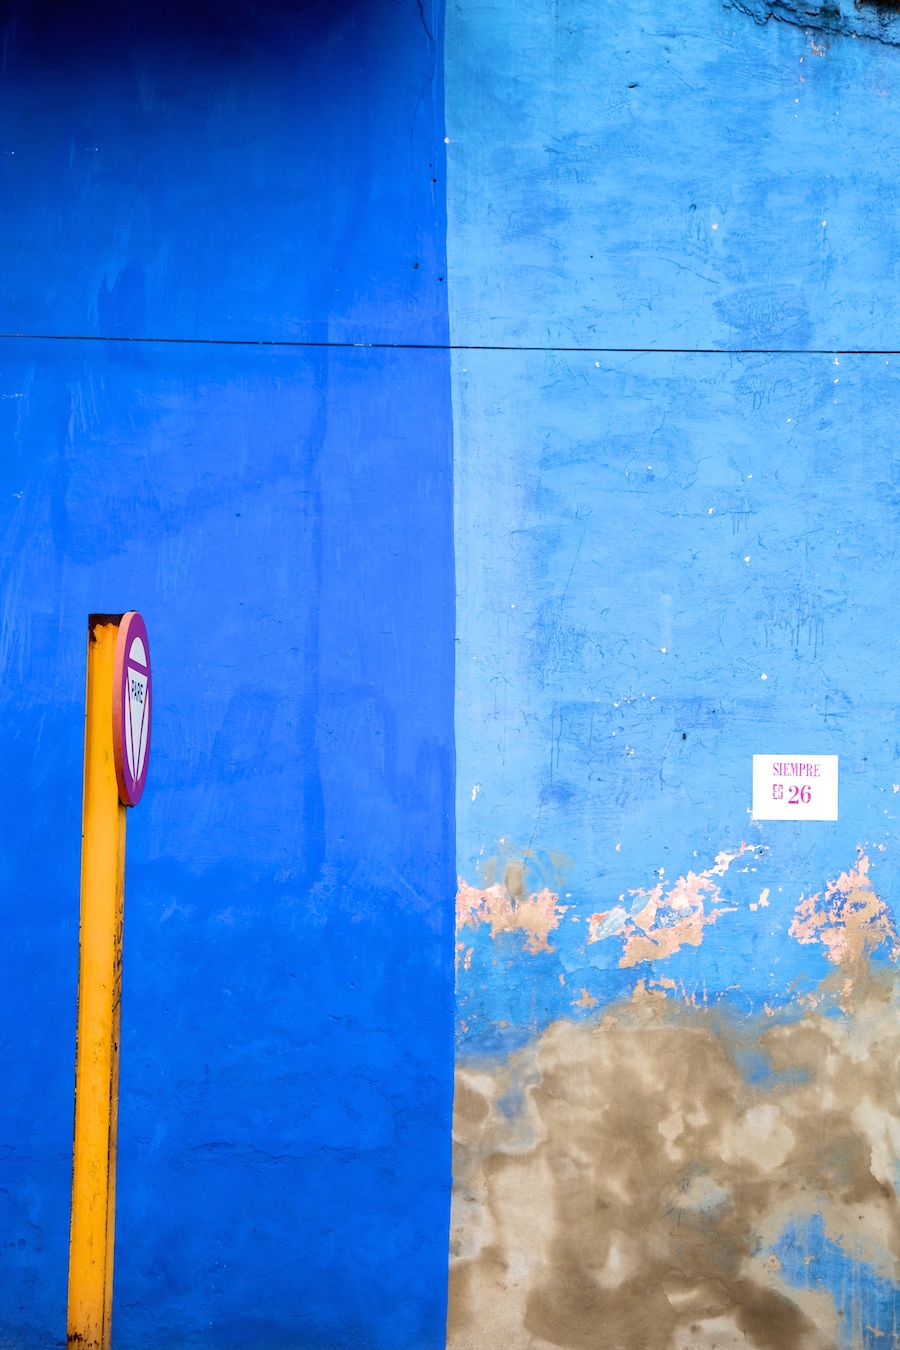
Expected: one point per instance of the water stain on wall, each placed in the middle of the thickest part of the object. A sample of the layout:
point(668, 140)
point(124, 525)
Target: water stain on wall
point(623, 1183)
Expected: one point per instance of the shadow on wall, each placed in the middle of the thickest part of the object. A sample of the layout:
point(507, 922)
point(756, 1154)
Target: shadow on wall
point(57, 32)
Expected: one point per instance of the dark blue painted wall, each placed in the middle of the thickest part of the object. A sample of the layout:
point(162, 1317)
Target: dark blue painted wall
point(282, 518)
point(270, 170)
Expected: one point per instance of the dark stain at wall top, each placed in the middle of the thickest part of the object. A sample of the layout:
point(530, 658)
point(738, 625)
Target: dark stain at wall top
point(876, 19)
point(45, 30)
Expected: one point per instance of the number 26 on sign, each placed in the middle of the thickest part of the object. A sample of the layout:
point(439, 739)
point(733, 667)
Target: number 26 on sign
point(796, 793)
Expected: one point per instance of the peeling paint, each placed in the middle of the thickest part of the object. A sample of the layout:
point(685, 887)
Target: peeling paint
point(676, 525)
point(876, 19)
point(851, 920)
point(637, 1194)
point(662, 920)
point(535, 916)
point(643, 1178)
point(763, 901)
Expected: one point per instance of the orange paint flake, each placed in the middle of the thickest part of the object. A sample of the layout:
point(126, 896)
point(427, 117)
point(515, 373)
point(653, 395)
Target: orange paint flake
point(536, 917)
point(850, 922)
point(670, 917)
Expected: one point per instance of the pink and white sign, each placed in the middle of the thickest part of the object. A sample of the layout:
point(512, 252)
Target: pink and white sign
point(795, 787)
point(132, 700)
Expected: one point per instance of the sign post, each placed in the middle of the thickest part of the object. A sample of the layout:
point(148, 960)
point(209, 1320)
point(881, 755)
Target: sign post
point(116, 755)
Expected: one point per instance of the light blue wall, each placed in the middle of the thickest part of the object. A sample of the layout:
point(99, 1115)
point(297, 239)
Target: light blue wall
point(671, 556)
point(642, 539)
point(594, 148)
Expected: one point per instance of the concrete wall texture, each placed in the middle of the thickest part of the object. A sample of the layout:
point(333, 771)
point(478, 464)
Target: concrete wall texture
point(603, 387)
point(677, 1104)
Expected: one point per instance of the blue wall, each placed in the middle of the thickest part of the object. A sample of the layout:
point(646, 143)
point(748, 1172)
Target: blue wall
point(676, 540)
point(668, 563)
point(282, 518)
point(678, 176)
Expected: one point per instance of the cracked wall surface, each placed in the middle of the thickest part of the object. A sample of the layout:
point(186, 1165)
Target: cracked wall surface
point(676, 1121)
point(673, 176)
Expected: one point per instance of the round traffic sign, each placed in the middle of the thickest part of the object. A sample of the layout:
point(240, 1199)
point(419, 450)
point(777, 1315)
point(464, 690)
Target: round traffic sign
point(132, 706)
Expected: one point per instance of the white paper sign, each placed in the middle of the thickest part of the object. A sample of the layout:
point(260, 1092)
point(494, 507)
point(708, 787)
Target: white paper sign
point(795, 787)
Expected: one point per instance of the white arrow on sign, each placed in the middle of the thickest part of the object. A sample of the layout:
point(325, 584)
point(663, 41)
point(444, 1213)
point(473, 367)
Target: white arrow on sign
point(136, 723)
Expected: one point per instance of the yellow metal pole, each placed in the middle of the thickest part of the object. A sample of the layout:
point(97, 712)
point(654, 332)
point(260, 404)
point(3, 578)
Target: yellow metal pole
point(99, 1006)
